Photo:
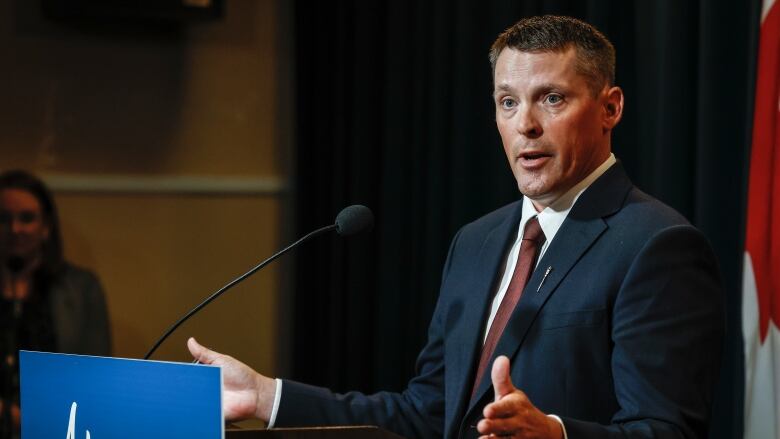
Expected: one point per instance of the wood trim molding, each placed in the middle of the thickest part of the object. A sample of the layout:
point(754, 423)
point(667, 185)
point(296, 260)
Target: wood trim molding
point(171, 185)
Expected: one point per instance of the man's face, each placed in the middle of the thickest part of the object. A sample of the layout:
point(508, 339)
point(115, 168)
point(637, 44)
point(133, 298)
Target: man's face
point(554, 130)
point(23, 230)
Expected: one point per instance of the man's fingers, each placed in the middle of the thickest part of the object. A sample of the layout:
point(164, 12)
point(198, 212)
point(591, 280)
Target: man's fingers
point(200, 353)
point(508, 406)
point(497, 427)
point(502, 382)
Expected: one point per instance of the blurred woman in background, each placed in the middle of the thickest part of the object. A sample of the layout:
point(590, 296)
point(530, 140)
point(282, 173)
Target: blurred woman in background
point(46, 304)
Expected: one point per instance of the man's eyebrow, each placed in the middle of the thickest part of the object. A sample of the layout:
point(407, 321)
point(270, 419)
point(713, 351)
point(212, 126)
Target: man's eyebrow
point(500, 88)
point(547, 86)
point(538, 88)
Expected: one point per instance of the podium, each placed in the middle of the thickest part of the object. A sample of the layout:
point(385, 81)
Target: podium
point(340, 432)
point(81, 396)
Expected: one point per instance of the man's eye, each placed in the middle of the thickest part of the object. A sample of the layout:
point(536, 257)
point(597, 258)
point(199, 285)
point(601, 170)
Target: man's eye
point(553, 99)
point(508, 103)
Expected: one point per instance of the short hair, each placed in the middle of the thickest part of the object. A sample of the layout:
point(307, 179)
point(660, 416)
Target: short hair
point(554, 33)
point(51, 253)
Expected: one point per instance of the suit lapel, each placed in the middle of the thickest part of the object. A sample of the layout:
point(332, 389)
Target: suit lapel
point(478, 295)
point(579, 231)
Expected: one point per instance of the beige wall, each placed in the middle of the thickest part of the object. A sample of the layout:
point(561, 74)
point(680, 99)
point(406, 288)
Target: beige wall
point(162, 147)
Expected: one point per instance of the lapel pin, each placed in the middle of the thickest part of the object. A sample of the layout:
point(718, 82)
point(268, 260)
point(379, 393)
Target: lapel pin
point(546, 272)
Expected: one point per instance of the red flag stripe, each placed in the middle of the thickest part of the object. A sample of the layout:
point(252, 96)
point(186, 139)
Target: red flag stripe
point(763, 225)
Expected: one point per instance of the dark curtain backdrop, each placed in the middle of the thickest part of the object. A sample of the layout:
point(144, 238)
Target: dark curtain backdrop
point(394, 110)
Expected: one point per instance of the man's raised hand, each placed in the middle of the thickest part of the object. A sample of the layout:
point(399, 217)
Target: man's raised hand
point(511, 414)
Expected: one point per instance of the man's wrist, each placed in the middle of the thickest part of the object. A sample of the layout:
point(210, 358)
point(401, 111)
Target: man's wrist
point(558, 426)
point(277, 399)
point(265, 391)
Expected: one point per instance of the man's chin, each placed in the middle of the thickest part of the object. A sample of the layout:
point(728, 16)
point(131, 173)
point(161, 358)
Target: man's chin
point(533, 189)
point(538, 192)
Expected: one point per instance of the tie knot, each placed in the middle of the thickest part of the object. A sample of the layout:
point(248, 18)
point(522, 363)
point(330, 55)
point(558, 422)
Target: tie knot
point(533, 231)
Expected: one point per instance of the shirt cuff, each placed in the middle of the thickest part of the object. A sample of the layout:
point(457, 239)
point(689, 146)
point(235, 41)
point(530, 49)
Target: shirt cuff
point(278, 397)
point(563, 427)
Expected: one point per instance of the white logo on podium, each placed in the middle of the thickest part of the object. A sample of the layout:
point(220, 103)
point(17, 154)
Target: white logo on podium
point(72, 423)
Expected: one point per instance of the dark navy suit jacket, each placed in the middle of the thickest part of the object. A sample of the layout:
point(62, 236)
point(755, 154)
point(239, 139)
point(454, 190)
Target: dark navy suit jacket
point(622, 339)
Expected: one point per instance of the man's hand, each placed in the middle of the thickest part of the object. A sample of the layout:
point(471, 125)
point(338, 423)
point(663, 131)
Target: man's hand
point(246, 393)
point(512, 414)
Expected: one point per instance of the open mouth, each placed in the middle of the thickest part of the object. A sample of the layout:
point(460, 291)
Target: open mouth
point(534, 155)
point(534, 159)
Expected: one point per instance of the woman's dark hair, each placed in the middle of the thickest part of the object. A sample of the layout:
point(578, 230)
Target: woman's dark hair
point(51, 253)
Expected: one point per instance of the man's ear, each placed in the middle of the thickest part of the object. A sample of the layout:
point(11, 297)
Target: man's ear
point(613, 107)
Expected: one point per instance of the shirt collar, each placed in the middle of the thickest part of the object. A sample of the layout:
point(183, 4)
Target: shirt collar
point(552, 217)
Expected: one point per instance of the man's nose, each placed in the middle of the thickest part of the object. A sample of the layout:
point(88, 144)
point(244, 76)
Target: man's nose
point(527, 122)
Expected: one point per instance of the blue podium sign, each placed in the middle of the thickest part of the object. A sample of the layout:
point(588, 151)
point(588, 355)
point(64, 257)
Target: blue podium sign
point(76, 396)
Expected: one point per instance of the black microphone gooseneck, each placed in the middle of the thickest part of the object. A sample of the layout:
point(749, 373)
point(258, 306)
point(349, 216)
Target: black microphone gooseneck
point(350, 220)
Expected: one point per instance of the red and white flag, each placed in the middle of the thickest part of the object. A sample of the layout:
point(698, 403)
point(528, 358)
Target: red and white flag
point(761, 278)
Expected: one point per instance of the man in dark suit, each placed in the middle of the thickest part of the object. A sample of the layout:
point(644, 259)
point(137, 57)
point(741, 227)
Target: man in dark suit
point(586, 309)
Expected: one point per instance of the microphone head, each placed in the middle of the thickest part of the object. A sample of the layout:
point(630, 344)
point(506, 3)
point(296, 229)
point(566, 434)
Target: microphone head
point(354, 219)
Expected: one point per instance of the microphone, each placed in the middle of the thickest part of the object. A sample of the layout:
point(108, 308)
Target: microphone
point(351, 220)
point(354, 219)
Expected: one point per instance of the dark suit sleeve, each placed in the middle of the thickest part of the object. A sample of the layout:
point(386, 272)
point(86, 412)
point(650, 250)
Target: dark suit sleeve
point(417, 412)
point(667, 333)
